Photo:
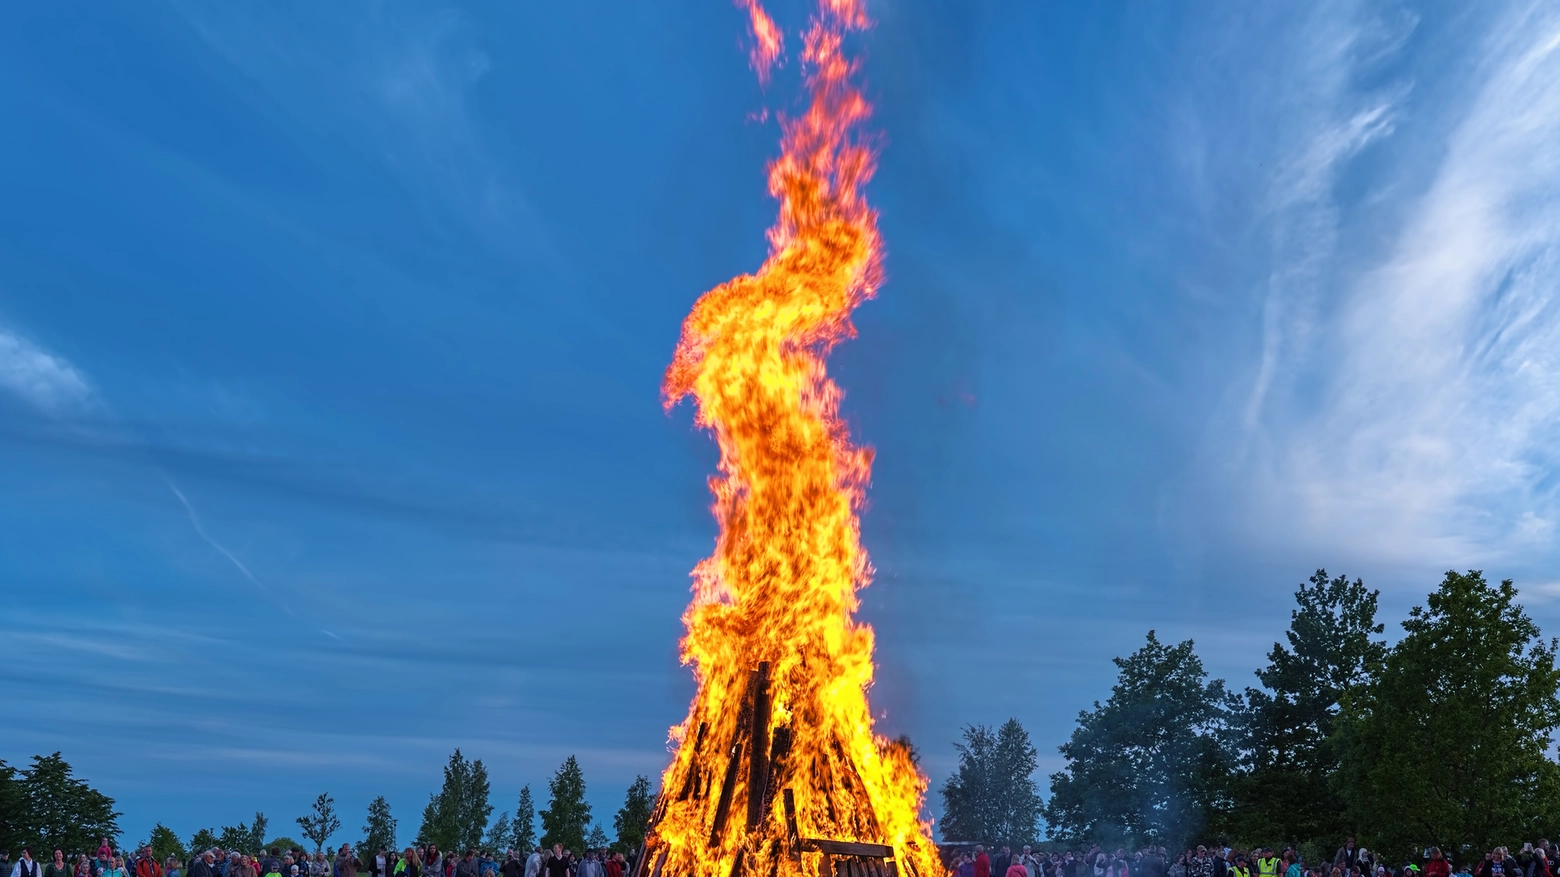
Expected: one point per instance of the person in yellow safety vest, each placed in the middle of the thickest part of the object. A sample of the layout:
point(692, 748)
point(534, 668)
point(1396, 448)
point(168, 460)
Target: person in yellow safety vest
point(1267, 863)
point(1239, 869)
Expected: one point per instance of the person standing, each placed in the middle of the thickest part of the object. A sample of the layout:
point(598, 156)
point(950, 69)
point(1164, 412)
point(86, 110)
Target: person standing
point(346, 863)
point(557, 864)
point(982, 862)
point(533, 863)
point(146, 865)
point(26, 866)
point(1001, 861)
point(201, 865)
point(380, 864)
point(58, 867)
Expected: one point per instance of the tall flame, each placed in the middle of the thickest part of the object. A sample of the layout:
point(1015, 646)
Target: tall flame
point(781, 585)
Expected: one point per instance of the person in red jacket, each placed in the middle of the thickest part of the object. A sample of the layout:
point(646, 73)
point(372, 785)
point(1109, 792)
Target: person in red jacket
point(147, 865)
point(982, 862)
point(1436, 865)
point(1017, 869)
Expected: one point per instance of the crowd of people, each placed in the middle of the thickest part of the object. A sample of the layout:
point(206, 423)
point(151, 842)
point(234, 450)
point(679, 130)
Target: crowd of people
point(419, 861)
point(1351, 860)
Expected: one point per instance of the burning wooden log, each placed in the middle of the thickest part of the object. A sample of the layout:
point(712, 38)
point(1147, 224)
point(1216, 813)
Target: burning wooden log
point(692, 783)
point(758, 761)
point(778, 750)
point(793, 838)
point(727, 787)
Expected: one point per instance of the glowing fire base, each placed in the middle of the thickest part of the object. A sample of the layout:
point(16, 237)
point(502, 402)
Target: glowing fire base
point(762, 841)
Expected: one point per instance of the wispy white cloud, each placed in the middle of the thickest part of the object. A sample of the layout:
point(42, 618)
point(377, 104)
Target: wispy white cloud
point(1329, 121)
point(42, 379)
point(200, 531)
point(1425, 428)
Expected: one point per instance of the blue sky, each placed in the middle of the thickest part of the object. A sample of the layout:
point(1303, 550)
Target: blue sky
point(331, 337)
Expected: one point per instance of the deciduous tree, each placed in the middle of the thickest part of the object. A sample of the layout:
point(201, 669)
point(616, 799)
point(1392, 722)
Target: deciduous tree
point(633, 819)
point(524, 825)
point(165, 843)
point(499, 834)
point(203, 840)
point(567, 815)
point(1449, 741)
point(1152, 763)
point(991, 797)
point(1333, 647)
point(379, 829)
point(321, 822)
point(457, 816)
point(57, 810)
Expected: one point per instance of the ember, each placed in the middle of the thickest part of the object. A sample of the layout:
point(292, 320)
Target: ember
point(778, 771)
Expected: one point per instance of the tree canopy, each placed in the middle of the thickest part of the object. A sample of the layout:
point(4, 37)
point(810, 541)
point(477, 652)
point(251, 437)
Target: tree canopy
point(457, 816)
point(633, 819)
point(991, 797)
point(1286, 727)
point(1151, 764)
point(321, 822)
point(46, 806)
point(379, 828)
point(165, 843)
point(524, 824)
point(567, 816)
point(1450, 740)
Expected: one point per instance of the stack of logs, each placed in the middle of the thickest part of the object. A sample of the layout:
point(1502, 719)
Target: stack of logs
point(767, 755)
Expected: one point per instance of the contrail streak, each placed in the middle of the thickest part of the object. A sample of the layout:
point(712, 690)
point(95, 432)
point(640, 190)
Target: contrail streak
point(195, 522)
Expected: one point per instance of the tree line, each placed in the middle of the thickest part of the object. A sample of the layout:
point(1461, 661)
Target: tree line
point(46, 807)
point(1442, 738)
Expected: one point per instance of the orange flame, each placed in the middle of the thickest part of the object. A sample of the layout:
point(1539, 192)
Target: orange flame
point(781, 585)
point(766, 49)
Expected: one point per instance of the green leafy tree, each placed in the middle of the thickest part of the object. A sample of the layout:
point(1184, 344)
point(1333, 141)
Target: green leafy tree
point(257, 832)
point(1284, 731)
point(567, 815)
point(283, 843)
point(1448, 744)
point(12, 819)
point(524, 825)
point(379, 829)
point(597, 839)
point(970, 794)
point(59, 811)
point(165, 843)
point(203, 840)
point(456, 817)
point(321, 822)
point(245, 836)
point(1151, 764)
point(477, 807)
point(499, 834)
point(235, 837)
point(1018, 813)
point(991, 796)
point(633, 819)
